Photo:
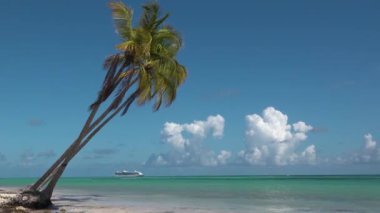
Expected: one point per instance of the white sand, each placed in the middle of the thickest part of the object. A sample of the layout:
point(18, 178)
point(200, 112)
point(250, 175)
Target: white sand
point(6, 196)
point(79, 203)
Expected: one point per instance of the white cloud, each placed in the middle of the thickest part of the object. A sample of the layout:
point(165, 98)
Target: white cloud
point(271, 140)
point(370, 144)
point(158, 160)
point(186, 143)
point(302, 127)
point(172, 134)
point(310, 154)
point(161, 161)
point(370, 153)
point(215, 124)
point(224, 156)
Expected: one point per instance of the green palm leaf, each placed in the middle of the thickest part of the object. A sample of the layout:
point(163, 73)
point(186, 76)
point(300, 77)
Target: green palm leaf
point(147, 54)
point(122, 16)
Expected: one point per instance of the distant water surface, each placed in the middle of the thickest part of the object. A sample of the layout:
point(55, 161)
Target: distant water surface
point(225, 193)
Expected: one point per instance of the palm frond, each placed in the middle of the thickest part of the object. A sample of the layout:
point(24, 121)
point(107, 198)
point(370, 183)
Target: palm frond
point(150, 19)
point(150, 15)
point(158, 101)
point(161, 20)
point(147, 59)
point(144, 86)
point(166, 41)
point(106, 90)
point(143, 40)
point(129, 46)
point(122, 16)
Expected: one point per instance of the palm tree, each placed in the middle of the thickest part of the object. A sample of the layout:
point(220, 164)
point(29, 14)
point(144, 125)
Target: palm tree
point(144, 68)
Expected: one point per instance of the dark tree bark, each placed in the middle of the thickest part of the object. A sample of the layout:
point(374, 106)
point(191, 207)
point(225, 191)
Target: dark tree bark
point(38, 196)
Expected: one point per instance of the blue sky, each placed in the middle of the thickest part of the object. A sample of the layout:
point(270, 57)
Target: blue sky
point(255, 69)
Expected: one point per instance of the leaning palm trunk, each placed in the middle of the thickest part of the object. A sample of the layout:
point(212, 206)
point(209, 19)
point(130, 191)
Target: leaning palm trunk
point(146, 65)
point(74, 148)
point(40, 197)
point(59, 171)
point(45, 177)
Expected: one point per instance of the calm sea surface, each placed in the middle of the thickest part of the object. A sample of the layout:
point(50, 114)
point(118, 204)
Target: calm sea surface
point(229, 193)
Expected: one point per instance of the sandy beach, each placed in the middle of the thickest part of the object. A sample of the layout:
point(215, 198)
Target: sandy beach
point(68, 203)
point(76, 203)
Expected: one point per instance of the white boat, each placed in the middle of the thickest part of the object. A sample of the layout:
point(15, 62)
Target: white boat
point(126, 173)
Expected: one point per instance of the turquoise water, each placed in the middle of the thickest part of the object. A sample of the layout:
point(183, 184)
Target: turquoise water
point(231, 193)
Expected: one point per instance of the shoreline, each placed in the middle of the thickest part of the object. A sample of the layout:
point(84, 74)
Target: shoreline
point(212, 194)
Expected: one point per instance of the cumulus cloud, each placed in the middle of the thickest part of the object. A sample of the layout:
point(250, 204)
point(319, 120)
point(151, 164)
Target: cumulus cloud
point(186, 142)
point(310, 154)
point(224, 156)
point(271, 140)
point(369, 143)
point(369, 153)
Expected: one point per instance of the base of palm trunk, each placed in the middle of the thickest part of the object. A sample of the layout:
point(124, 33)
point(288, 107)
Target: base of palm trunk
point(30, 199)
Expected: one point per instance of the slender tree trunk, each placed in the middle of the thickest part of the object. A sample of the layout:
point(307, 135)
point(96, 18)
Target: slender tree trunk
point(125, 106)
point(48, 190)
point(87, 128)
point(40, 182)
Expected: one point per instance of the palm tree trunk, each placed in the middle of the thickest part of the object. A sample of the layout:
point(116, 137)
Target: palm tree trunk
point(87, 128)
point(48, 190)
point(40, 182)
point(124, 106)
